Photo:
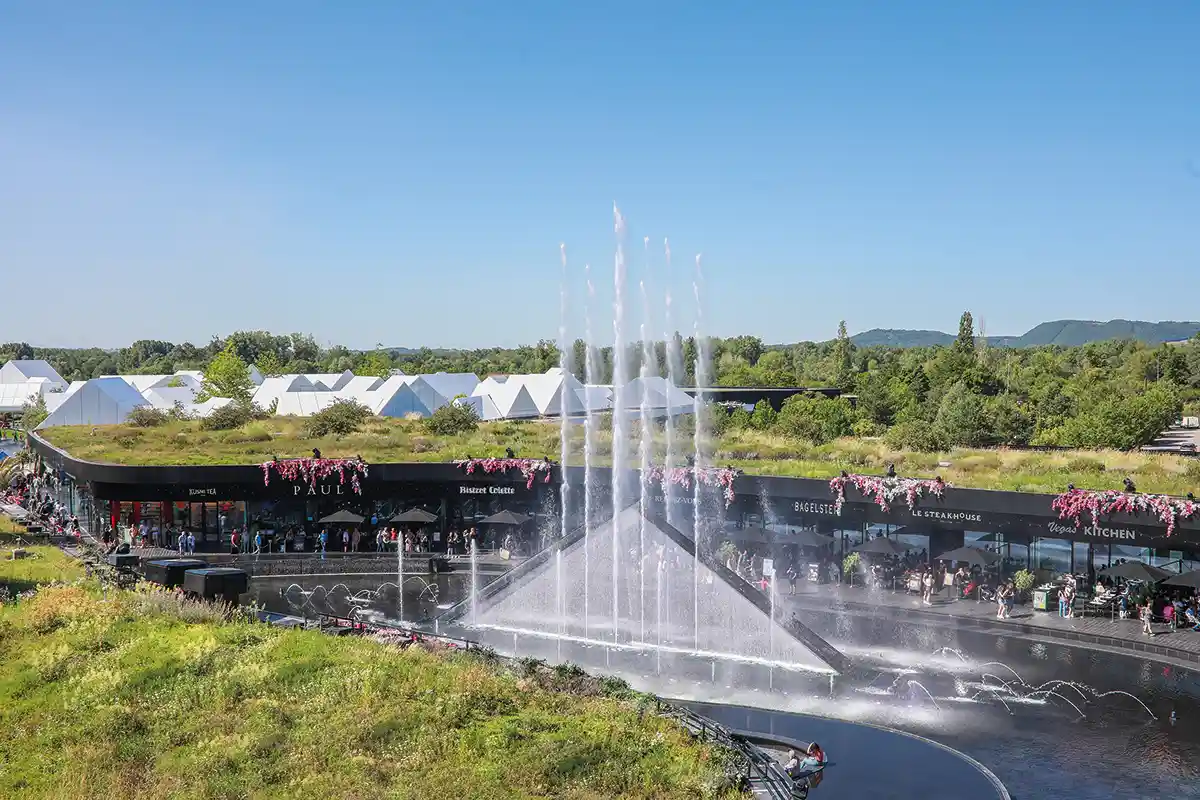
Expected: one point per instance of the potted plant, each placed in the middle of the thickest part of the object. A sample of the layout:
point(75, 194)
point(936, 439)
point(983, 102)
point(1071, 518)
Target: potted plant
point(850, 565)
point(1023, 581)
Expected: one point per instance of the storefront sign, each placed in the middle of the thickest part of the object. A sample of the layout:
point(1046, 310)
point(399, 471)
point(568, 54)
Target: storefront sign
point(940, 515)
point(310, 490)
point(1071, 532)
point(810, 507)
point(486, 490)
point(202, 492)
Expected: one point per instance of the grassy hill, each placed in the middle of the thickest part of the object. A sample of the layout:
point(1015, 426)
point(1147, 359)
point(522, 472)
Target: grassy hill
point(1063, 333)
point(142, 695)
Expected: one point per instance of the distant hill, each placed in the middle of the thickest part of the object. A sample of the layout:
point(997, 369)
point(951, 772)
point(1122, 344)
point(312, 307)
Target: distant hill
point(1063, 332)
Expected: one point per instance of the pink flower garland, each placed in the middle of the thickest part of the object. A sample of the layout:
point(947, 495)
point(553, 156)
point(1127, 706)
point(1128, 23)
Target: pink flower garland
point(529, 467)
point(311, 470)
point(885, 491)
point(682, 476)
point(1074, 503)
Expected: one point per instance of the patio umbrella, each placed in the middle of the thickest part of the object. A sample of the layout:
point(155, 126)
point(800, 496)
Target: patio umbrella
point(1136, 571)
point(1191, 579)
point(343, 516)
point(416, 516)
point(1017, 538)
point(970, 555)
point(504, 518)
point(883, 546)
point(808, 538)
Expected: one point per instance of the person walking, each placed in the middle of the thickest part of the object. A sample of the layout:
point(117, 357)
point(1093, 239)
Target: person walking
point(1147, 611)
point(345, 540)
point(191, 543)
point(791, 577)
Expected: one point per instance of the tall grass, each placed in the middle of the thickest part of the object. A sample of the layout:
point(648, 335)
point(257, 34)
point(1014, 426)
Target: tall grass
point(135, 696)
point(390, 440)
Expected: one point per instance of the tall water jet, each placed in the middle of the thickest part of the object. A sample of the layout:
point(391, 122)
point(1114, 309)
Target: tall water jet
point(620, 434)
point(645, 446)
point(564, 363)
point(699, 439)
point(589, 434)
point(674, 363)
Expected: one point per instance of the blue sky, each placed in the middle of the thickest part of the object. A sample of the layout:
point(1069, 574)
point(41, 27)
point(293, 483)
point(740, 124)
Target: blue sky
point(404, 173)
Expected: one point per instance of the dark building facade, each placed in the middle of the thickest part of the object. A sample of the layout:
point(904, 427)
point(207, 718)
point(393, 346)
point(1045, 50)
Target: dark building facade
point(764, 515)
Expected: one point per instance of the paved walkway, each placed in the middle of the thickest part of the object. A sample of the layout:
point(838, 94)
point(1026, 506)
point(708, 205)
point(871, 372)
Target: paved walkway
point(1182, 643)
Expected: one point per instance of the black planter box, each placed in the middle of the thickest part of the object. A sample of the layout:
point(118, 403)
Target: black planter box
point(124, 560)
point(217, 583)
point(169, 572)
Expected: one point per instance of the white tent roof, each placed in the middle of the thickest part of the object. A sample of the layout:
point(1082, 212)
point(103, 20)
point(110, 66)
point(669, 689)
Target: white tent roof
point(331, 381)
point(547, 391)
point(56, 399)
point(358, 387)
point(483, 405)
point(166, 398)
point(488, 384)
point(144, 383)
point(303, 404)
point(255, 375)
point(24, 371)
point(661, 395)
point(14, 396)
point(274, 388)
point(451, 384)
point(511, 400)
point(398, 398)
point(102, 401)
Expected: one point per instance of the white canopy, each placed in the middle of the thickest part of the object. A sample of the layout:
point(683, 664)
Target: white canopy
point(24, 371)
point(102, 401)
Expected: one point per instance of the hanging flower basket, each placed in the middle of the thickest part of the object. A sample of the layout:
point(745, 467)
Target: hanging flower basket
point(311, 470)
point(1075, 503)
point(683, 477)
point(885, 491)
point(530, 468)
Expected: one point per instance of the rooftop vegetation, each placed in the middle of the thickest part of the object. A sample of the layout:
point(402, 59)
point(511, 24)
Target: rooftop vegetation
point(755, 451)
point(142, 694)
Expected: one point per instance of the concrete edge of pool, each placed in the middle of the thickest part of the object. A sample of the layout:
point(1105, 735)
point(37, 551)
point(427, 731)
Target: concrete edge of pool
point(795, 723)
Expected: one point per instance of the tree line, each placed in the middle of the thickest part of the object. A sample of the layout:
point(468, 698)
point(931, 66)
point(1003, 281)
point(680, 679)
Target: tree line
point(1117, 393)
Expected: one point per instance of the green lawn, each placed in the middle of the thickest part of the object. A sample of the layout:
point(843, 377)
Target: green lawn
point(41, 565)
point(144, 695)
point(388, 440)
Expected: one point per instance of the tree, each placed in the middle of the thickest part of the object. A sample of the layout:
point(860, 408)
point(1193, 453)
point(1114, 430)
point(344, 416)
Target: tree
point(763, 417)
point(816, 419)
point(227, 376)
point(34, 413)
point(269, 365)
point(965, 343)
point(1011, 422)
point(960, 417)
point(843, 359)
point(377, 364)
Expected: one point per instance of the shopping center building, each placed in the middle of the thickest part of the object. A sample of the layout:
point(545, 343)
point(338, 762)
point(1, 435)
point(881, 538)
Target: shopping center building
point(763, 514)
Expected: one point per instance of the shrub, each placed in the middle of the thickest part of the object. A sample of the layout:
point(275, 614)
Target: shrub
point(1085, 464)
point(453, 419)
point(850, 564)
point(229, 416)
point(913, 435)
point(339, 418)
point(256, 432)
point(147, 417)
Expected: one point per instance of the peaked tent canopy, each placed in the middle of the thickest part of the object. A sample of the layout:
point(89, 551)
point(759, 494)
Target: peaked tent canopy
point(970, 555)
point(414, 516)
point(1136, 571)
point(101, 401)
point(883, 546)
point(343, 516)
point(504, 518)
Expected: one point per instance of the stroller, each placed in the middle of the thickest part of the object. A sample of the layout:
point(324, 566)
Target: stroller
point(985, 593)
